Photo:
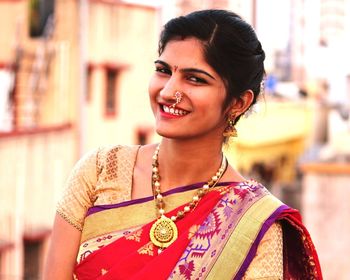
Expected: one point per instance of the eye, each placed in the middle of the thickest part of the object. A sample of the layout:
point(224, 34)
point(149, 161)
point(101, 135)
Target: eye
point(196, 80)
point(163, 70)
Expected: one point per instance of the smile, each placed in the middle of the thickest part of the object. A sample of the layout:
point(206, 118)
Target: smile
point(173, 111)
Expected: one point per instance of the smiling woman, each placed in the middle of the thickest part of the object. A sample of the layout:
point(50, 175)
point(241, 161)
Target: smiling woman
point(177, 209)
point(182, 67)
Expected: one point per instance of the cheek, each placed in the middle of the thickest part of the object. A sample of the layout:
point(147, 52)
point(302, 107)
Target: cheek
point(155, 85)
point(152, 87)
point(153, 90)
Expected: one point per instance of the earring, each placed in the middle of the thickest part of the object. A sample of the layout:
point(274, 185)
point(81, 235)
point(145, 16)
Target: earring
point(178, 98)
point(230, 130)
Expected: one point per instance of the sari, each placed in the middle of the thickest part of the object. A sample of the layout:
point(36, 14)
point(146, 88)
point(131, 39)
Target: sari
point(218, 239)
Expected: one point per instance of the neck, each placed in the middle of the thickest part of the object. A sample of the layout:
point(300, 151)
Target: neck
point(186, 162)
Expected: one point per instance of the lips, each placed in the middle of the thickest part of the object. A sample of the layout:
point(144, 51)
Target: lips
point(173, 111)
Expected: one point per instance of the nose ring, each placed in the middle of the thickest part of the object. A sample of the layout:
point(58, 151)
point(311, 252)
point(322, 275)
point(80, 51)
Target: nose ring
point(178, 98)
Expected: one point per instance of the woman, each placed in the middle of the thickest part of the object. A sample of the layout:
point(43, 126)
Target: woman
point(178, 210)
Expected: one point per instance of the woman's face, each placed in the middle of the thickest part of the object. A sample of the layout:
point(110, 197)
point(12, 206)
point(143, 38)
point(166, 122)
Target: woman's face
point(182, 67)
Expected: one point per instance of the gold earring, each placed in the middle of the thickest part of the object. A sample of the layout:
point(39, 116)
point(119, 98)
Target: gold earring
point(230, 130)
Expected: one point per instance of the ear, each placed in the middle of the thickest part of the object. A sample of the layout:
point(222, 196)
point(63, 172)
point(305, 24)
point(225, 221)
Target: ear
point(241, 104)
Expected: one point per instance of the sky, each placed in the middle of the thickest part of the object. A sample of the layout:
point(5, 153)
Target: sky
point(273, 23)
point(272, 19)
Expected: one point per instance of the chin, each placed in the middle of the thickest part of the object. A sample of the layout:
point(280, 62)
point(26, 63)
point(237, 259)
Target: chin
point(171, 134)
point(166, 134)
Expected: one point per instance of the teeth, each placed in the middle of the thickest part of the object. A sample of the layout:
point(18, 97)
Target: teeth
point(177, 112)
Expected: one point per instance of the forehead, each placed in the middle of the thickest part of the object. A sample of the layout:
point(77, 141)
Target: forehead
point(184, 53)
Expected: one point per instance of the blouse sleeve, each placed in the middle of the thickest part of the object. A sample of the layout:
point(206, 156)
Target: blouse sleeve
point(268, 261)
point(78, 196)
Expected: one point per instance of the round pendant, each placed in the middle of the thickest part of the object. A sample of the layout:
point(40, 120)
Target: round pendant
point(163, 232)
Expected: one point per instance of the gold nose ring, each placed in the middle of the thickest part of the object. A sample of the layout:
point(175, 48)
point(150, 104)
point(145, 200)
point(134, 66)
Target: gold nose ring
point(178, 98)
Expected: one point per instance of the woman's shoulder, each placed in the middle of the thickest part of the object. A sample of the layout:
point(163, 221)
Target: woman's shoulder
point(114, 170)
point(106, 157)
point(114, 150)
point(252, 187)
point(255, 193)
point(110, 155)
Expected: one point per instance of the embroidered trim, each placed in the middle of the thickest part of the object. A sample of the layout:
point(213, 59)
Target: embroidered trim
point(136, 236)
point(192, 231)
point(70, 221)
point(147, 249)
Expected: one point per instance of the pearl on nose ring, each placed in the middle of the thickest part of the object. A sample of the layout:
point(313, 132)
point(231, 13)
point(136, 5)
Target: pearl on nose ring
point(178, 98)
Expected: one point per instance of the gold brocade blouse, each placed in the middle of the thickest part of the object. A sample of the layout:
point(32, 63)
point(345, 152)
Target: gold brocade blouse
point(104, 176)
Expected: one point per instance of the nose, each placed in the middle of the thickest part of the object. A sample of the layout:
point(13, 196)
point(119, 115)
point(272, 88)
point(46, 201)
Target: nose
point(167, 93)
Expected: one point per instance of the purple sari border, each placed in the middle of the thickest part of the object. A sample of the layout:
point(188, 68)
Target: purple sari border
point(99, 208)
point(252, 251)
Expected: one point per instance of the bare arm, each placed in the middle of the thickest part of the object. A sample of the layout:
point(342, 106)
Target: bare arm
point(78, 196)
point(63, 251)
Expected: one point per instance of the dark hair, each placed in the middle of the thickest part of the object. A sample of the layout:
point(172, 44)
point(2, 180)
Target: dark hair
point(230, 46)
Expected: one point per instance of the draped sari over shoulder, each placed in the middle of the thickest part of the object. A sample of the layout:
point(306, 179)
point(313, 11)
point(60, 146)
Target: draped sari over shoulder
point(221, 238)
point(217, 240)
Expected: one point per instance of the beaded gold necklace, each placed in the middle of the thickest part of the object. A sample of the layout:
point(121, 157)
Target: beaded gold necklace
point(164, 231)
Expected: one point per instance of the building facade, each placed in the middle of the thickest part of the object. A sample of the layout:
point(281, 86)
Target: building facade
point(74, 76)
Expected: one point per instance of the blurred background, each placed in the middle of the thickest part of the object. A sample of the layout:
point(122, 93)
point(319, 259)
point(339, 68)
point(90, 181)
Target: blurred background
point(74, 76)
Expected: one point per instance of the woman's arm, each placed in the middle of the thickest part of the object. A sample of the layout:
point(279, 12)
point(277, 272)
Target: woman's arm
point(63, 251)
point(69, 220)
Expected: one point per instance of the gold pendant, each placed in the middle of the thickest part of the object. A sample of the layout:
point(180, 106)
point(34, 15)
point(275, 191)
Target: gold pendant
point(163, 232)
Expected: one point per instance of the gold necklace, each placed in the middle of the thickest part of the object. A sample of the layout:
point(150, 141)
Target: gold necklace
point(164, 231)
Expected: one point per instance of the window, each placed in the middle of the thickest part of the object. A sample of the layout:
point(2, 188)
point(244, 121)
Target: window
point(89, 83)
point(112, 72)
point(141, 138)
point(111, 86)
point(143, 135)
point(33, 243)
point(32, 255)
point(39, 12)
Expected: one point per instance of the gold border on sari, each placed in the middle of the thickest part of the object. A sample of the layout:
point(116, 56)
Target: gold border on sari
point(131, 216)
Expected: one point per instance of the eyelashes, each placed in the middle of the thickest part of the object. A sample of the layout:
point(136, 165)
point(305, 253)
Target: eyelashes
point(196, 79)
point(163, 70)
point(188, 76)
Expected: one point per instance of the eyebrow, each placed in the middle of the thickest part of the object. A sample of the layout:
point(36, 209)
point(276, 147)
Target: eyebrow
point(186, 70)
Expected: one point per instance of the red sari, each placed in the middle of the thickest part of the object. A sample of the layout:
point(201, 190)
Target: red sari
point(227, 224)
